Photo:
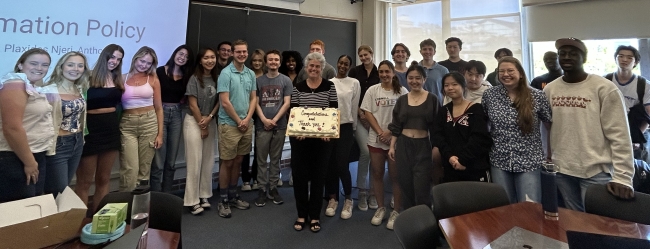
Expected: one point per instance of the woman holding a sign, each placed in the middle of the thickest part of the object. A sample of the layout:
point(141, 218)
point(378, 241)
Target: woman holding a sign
point(311, 156)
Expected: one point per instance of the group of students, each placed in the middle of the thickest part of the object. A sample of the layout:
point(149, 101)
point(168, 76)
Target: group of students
point(430, 122)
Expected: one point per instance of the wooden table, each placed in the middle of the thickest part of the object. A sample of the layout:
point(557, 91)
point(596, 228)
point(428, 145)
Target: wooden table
point(155, 239)
point(476, 230)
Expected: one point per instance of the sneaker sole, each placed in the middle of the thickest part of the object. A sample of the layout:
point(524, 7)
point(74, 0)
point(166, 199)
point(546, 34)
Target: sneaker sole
point(224, 216)
point(278, 202)
point(241, 208)
point(197, 212)
point(345, 217)
point(260, 205)
point(376, 224)
point(363, 209)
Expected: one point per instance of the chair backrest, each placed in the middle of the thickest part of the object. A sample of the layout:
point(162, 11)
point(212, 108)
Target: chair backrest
point(417, 228)
point(165, 212)
point(599, 201)
point(458, 198)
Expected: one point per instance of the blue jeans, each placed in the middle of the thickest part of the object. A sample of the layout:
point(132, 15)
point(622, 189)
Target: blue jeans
point(13, 179)
point(163, 165)
point(573, 188)
point(62, 167)
point(520, 186)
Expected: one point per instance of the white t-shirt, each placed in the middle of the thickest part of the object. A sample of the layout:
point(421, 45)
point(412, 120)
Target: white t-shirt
point(348, 91)
point(380, 103)
point(628, 89)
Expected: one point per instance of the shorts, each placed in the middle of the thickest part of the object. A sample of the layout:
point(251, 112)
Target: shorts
point(377, 150)
point(233, 142)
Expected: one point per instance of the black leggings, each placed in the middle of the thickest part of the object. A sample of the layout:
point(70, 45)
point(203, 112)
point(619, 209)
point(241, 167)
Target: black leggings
point(339, 166)
point(309, 160)
point(414, 166)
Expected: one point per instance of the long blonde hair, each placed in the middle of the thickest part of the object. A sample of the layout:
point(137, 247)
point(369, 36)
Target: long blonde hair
point(524, 101)
point(57, 76)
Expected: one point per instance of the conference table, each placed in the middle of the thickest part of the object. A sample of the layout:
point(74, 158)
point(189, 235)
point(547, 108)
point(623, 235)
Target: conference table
point(478, 229)
point(155, 239)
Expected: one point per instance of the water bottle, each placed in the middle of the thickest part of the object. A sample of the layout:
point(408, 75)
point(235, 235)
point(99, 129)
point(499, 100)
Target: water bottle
point(549, 191)
point(140, 206)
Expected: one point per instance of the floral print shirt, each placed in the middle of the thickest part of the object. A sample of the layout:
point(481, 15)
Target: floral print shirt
point(514, 151)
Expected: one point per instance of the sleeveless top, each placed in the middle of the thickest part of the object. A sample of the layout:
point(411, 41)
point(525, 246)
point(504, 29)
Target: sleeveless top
point(137, 96)
point(71, 111)
point(100, 97)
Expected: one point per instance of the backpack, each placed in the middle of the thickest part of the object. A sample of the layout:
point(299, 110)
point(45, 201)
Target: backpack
point(637, 111)
point(641, 181)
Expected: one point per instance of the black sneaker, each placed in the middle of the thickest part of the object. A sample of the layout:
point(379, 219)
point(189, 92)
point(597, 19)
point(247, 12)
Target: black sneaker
point(261, 198)
point(277, 199)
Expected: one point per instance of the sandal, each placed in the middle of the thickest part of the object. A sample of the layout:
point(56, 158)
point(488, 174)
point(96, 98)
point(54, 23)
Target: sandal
point(314, 226)
point(297, 224)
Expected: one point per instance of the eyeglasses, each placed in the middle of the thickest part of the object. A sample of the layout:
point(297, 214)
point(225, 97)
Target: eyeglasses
point(225, 50)
point(509, 71)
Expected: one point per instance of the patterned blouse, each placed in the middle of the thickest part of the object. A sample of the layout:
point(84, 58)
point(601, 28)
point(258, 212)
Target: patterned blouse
point(514, 151)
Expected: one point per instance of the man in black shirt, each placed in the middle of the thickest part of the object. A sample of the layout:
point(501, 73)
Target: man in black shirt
point(554, 71)
point(224, 53)
point(455, 64)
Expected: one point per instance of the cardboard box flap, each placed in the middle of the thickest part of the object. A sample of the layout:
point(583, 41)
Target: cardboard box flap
point(26, 209)
point(68, 199)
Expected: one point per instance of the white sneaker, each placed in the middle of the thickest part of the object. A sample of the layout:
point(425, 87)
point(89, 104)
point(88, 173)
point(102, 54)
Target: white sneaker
point(346, 213)
point(391, 219)
point(196, 209)
point(246, 187)
point(331, 208)
point(204, 203)
point(379, 216)
point(372, 202)
point(392, 202)
point(363, 201)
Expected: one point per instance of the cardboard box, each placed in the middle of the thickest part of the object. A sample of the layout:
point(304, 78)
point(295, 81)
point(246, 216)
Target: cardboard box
point(107, 219)
point(41, 221)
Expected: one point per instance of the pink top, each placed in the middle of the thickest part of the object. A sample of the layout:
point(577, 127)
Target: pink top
point(137, 96)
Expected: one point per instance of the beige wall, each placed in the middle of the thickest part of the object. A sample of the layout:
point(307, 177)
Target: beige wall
point(601, 19)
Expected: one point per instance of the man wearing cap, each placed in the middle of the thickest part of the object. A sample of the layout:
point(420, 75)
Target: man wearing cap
point(589, 137)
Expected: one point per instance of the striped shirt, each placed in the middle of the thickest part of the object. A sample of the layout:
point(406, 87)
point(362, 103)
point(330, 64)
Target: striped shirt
point(323, 96)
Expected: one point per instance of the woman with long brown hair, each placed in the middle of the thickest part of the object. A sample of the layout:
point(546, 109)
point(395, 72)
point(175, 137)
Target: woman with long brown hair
point(102, 142)
point(515, 111)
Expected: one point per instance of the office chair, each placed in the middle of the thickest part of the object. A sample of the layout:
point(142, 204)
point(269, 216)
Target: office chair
point(600, 202)
point(458, 198)
point(417, 228)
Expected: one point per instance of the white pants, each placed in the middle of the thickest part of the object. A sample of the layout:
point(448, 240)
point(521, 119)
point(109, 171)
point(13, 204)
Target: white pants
point(199, 156)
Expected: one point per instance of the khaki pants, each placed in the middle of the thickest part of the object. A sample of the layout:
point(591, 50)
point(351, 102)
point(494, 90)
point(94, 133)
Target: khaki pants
point(138, 133)
point(199, 156)
point(268, 144)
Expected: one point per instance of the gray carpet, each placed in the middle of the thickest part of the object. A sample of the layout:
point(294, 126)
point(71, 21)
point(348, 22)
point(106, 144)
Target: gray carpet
point(271, 226)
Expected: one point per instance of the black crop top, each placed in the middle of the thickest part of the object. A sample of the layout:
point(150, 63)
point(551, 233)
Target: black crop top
point(419, 117)
point(103, 97)
point(171, 91)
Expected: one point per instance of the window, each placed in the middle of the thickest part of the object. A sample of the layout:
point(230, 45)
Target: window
point(600, 55)
point(414, 23)
point(483, 26)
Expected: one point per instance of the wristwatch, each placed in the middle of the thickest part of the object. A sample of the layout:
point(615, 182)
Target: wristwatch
point(210, 115)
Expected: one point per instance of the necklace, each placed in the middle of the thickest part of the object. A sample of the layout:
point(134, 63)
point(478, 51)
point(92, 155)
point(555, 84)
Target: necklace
point(70, 90)
point(418, 99)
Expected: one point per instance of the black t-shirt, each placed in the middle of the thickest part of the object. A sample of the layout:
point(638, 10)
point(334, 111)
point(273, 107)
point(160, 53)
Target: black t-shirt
point(171, 91)
point(541, 81)
point(359, 72)
point(454, 66)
